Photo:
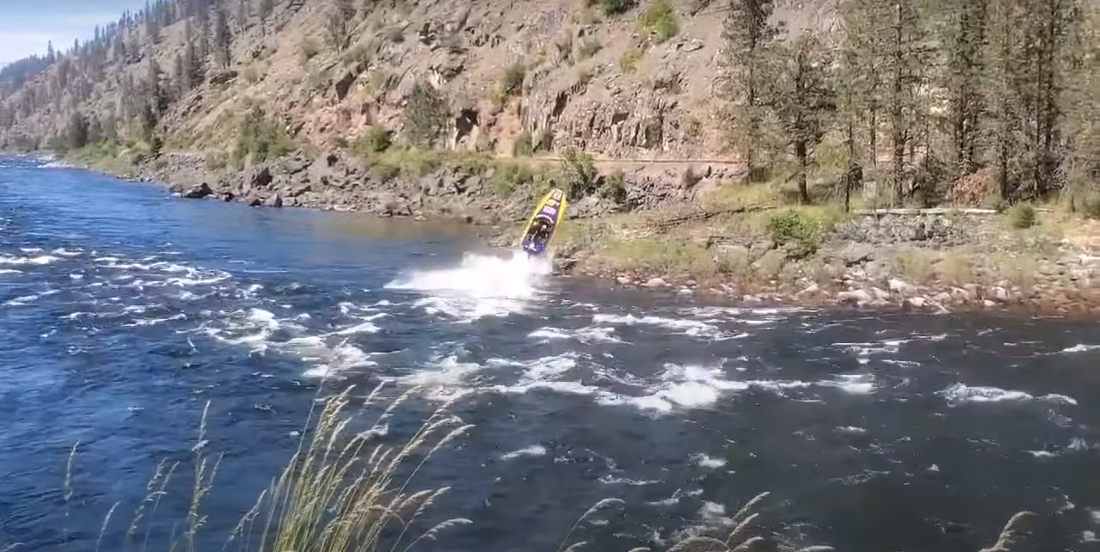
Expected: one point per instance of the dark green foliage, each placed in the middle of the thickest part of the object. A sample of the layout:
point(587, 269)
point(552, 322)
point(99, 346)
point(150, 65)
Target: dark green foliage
point(76, 133)
point(260, 139)
point(750, 37)
point(511, 82)
point(579, 174)
point(222, 38)
point(1021, 216)
point(660, 21)
point(374, 140)
point(614, 187)
point(803, 102)
point(524, 145)
point(795, 230)
point(612, 7)
point(510, 176)
point(426, 116)
point(339, 24)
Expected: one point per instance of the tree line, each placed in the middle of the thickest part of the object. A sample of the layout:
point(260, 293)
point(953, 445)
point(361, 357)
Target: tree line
point(923, 93)
point(63, 80)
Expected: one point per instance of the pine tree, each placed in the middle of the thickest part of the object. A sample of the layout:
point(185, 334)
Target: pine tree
point(76, 133)
point(340, 24)
point(1082, 127)
point(803, 102)
point(51, 56)
point(265, 9)
point(156, 94)
point(749, 36)
point(152, 26)
point(222, 38)
point(242, 14)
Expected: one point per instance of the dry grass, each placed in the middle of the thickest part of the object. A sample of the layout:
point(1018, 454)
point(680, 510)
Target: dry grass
point(338, 492)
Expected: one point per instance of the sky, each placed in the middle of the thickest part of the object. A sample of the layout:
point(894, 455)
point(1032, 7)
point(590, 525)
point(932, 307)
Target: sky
point(27, 26)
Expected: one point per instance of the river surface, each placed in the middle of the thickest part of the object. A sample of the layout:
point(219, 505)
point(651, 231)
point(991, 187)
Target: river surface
point(123, 311)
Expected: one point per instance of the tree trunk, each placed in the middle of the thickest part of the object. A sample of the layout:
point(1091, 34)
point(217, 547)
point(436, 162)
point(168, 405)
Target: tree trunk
point(896, 109)
point(800, 151)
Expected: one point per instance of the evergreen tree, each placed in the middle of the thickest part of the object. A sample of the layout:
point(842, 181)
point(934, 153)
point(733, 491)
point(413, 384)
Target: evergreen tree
point(76, 133)
point(222, 38)
point(803, 102)
point(152, 25)
point(340, 23)
point(265, 9)
point(750, 37)
point(963, 38)
point(51, 56)
point(242, 14)
point(156, 93)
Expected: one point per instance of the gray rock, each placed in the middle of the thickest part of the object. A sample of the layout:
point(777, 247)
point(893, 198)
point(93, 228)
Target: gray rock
point(855, 297)
point(750, 299)
point(812, 289)
point(624, 280)
point(880, 294)
point(198, 192)
point(916, 302)
point(259, 177)
point(901, 287)
point(685, 292)
point(856, 253)
point(275, 201)
point(1000, 294)
point(656, 283)
point(988, 304)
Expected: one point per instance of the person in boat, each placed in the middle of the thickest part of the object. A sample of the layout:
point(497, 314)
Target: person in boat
point(539, 235)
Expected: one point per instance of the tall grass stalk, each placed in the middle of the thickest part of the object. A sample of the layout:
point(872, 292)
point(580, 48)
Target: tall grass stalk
point(337, 497)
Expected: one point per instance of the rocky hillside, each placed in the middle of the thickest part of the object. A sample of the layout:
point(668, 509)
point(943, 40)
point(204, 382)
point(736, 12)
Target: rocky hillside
point(561, 71)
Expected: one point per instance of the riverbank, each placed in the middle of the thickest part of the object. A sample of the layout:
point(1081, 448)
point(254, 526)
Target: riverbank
point(721, 241)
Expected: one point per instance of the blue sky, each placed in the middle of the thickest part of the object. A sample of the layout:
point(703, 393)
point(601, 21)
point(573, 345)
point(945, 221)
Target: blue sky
point(26, 26)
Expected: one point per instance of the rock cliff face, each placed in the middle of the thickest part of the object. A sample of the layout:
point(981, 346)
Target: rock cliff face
point(586, 80)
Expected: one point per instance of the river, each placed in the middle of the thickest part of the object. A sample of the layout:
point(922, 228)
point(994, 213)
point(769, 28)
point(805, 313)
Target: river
point(123, 311)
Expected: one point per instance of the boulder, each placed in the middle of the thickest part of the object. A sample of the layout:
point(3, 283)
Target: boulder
point(259, 177)
point(854, 297)
point(656, 283)
point(856, 253)
point(916, 302)
point(901, 287)
point(275, 201)
point(198, 192)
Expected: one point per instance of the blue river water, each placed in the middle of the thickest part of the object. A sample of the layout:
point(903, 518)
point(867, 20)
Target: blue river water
point(124, 311)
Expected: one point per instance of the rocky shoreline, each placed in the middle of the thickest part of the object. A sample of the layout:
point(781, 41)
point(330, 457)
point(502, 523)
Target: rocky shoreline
point(861, 264)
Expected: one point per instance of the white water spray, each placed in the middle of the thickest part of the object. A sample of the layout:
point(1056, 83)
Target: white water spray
point(481, 285)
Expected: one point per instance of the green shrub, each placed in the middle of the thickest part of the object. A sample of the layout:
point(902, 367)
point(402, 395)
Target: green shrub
point(659, 20)
point(511, 176)
point(524, 145)
point(260, 139)
point(1021, 216)
point(1090, 206)
point(612, 7)
point(374, 140)
point(589, 48)
point(614, 187)
point(309, 48)
point(629, 60)
point(795, 229)
point(511, 82)
point(585, 74)
point(578, 172)
point(426, 115)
